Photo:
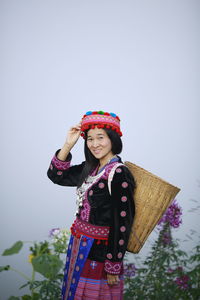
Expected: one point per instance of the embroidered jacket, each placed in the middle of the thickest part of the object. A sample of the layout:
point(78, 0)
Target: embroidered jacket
point(102, 208)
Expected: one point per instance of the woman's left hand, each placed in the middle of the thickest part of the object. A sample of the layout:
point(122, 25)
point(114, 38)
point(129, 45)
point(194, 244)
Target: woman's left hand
point(112, 279)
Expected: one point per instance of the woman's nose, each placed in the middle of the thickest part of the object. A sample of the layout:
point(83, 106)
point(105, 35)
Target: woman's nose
point(95, 143)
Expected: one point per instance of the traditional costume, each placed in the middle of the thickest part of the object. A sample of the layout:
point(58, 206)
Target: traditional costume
point(100, 232)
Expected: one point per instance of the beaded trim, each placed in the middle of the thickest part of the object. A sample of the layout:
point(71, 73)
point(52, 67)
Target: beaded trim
point(113, 267)
point(80, 227)
point(82, 197)
point(83, 206)
point(59, 164)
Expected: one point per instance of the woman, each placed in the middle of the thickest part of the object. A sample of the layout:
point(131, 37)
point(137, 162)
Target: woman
point(100, 232)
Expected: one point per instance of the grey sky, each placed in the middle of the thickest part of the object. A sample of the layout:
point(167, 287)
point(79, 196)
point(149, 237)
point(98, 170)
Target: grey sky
point(59, 59)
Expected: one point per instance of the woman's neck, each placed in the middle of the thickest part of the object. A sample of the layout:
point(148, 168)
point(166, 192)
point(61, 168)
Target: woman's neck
point(104, 162)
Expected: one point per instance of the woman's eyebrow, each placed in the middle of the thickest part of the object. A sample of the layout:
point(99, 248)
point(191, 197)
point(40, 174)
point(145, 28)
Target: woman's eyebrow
point(98, 134)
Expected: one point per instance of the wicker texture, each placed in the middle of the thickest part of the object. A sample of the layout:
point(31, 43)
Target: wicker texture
point(152, 197)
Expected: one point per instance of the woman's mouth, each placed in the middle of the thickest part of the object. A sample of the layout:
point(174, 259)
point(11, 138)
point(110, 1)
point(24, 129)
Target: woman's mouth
point(96, 151)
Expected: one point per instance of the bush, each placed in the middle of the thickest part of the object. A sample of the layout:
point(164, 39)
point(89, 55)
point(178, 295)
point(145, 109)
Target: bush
point(46, 259)
point(167, 272)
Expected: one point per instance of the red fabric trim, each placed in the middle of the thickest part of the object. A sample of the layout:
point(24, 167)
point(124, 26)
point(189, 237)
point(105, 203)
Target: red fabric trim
point(59, 164)
point(90, 230)
point(113, 267)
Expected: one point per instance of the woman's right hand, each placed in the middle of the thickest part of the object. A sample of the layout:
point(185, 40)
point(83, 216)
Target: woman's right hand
point(73, 135)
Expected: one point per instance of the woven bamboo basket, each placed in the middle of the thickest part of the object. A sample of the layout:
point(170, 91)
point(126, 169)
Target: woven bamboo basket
point(152, 197)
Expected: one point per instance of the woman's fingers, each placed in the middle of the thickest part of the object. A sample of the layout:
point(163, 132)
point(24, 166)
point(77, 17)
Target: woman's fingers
point(76, 127)
point(112, 279)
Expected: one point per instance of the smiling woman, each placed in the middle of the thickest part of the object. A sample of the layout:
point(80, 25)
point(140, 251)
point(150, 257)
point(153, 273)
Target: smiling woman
point(100, 232)
point(99, 145)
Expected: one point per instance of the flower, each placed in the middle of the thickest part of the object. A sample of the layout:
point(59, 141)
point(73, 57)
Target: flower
point(30, 258)
point(54, 232)
point(170, 270)
point(59, 239)
point(172, 215)
point(129, 270)
point(166, 238)
point(182, 282)
point(178, 269)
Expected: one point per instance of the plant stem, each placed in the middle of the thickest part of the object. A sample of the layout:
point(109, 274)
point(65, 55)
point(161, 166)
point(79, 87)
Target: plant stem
point(20, 273)
point(32, 280)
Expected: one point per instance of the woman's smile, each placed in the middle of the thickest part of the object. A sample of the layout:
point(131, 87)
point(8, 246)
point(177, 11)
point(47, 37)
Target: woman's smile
point(99, 144)
point(96, 151)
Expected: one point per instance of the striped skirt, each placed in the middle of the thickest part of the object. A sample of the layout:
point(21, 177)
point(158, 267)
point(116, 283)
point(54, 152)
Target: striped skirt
point(85, 279)
point(93, 284)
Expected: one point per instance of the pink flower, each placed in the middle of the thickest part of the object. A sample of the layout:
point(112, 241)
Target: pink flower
point(54, 231)
point(182, 282)
point(172, 215)
point(166, 238)
point(129, 270)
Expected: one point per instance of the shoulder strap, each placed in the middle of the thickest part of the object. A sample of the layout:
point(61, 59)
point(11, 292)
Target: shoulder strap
point(111, 174)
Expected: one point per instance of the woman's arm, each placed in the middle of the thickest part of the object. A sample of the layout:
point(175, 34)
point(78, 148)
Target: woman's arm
point(60, 170)
point(72, 137)
point(62, 173)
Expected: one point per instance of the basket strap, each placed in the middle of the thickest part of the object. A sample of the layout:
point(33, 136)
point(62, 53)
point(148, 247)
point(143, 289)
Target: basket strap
point(111, 174)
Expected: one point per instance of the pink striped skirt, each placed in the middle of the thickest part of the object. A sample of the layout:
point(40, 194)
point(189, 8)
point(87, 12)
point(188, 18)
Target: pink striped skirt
point(85, 279)
point(93, 284)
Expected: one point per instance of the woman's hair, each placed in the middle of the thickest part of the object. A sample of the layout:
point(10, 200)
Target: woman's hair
point(91, 162)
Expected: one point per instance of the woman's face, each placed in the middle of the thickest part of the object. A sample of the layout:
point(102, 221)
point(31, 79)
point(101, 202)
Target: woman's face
point(99, 144)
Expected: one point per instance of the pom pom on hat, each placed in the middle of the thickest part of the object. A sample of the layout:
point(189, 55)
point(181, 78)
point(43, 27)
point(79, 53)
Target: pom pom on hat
point(101, 119)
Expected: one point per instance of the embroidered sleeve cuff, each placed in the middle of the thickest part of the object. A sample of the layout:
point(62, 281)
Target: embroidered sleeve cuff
point(113, 267)
point(59, 164)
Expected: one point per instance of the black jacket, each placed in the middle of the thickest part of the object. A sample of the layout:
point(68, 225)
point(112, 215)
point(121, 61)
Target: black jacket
point(115, 210)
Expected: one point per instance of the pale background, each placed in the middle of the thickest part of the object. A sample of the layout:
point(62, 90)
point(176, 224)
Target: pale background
point(59, 59)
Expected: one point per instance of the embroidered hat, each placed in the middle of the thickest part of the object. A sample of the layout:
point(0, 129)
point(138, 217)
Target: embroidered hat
point(100, 119)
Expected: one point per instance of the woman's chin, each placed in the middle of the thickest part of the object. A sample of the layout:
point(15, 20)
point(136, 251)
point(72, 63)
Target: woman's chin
point(97, 155)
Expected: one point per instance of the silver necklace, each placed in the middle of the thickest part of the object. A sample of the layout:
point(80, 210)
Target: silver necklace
point(89, 181)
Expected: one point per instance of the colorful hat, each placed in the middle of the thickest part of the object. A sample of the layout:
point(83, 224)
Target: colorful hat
point(101, 120)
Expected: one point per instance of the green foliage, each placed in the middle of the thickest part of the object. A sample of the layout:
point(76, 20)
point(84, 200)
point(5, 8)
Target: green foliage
point(194, 273)
point(14, 249)
point(40, 248)
point(60, 239)
point(33, 297)
point(4, 268)
point(50, 289)
point(45, 258)
point(167, 273)
point(47, 265)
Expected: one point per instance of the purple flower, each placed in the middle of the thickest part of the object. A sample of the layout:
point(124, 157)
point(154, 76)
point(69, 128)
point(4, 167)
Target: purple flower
point(172, 215)
point(170, 270)
point(53, 232)
point(166, 238)
point(129, 270)
point(182, 282)
point(179, 269)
